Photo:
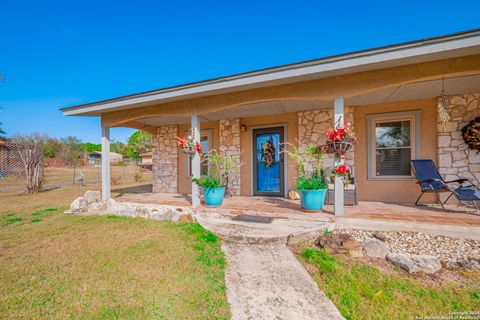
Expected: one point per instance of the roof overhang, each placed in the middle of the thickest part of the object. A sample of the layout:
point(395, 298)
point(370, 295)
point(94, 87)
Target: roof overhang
point(432, 49)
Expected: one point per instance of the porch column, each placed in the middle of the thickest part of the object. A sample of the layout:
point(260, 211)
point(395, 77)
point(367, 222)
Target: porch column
point(195, 162)
point(338, 107)
point(105, 163)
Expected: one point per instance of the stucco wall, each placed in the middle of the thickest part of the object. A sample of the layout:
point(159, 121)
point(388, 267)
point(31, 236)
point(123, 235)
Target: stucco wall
point(184, 179)
point(405, 190)
point(456, 160)
point(165, 158)
point(246, 139)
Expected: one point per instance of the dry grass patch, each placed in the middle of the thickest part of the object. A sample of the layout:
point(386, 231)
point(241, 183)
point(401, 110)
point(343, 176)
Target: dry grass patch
point(54, 266)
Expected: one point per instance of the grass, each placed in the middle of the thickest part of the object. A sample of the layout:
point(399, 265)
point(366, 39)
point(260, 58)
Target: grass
point(55, 266)
point(362, 291)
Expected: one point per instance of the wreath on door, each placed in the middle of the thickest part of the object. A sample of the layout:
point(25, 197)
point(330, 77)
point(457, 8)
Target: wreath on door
point(471, 134)
point(268, 153)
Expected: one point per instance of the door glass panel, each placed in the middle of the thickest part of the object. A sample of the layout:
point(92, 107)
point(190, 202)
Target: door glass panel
point(268, 174)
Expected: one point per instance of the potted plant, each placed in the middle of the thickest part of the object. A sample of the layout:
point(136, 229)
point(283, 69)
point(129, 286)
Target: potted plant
point(311, 182)
point(220, 172)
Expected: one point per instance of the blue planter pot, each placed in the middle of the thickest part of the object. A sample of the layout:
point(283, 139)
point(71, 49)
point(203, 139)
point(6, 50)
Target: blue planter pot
point(312, 200)
point(214, 196)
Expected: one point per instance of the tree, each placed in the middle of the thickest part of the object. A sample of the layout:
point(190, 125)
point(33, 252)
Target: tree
point(71, 149)
point(139, 142)
point(51, 147)
point(29, 149)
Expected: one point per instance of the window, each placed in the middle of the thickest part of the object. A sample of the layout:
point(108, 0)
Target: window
point(393, 142)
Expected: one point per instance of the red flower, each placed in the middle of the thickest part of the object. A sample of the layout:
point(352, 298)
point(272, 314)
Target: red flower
point(199, 148)
point(181, 141)
point(341, 170)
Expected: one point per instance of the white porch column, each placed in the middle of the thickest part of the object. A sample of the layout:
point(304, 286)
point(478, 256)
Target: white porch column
point(338, 107)
point(105, 163)
point(195, 162)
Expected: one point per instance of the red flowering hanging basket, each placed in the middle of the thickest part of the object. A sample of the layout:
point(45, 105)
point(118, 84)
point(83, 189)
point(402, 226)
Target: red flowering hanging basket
point(189, 145)
point(340, 140)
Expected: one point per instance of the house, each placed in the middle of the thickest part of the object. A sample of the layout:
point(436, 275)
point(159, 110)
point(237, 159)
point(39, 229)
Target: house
point(146, 158)
point(390, 95)
point(95, 156)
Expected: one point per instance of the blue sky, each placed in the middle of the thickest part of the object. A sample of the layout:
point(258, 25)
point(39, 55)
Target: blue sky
point(55, 54)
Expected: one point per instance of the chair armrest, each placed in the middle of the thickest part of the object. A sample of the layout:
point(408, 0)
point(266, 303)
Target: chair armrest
point(427, 181)
point(460, 181)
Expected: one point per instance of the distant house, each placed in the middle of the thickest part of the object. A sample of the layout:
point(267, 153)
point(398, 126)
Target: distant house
point(146, 158)
point(96, 156)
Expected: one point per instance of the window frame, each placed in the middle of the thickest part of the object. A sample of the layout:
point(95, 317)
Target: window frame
point(415, 140)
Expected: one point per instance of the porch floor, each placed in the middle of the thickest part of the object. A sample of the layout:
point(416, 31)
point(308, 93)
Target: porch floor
point(290, 209)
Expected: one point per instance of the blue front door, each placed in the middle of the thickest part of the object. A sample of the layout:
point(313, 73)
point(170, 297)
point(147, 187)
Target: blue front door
point(268, 164)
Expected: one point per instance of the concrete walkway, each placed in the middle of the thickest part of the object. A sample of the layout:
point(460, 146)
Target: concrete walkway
point(264, 279)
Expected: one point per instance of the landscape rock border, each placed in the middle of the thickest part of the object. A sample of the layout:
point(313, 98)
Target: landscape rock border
point(91, 203)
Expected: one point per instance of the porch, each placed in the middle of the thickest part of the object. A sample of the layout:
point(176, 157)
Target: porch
point(457, 221)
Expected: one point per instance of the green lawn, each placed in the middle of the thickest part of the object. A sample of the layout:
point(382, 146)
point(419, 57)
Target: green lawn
point(362, 291)
point(54, 266)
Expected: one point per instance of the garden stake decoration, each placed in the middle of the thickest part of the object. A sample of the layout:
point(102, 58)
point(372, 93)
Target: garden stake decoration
point(189, 145)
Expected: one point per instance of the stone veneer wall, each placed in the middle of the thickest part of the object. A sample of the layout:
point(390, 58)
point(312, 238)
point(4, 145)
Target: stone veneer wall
point(312, 129)
point(165, 160)
point(455, 159)
point(229, 142)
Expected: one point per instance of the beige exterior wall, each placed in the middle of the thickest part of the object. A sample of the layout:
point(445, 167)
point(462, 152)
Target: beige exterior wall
point(396, 191)
point(184, 180)
point(246, 139)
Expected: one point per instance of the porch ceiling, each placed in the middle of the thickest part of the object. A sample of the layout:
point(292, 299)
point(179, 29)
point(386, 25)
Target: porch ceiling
point(407, 92)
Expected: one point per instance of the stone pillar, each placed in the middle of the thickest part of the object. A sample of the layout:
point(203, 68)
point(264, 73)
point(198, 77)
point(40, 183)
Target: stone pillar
point(230, 145)
point(165, 160)
point(455, 159)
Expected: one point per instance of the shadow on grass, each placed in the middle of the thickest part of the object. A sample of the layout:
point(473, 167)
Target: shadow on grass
point(145, 188)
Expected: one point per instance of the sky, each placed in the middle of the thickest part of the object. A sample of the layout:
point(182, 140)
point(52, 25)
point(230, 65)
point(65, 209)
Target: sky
point(56, 54)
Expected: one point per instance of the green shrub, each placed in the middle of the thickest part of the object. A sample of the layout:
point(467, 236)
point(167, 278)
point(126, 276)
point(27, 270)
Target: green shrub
point(311, 183)
point(208, 182)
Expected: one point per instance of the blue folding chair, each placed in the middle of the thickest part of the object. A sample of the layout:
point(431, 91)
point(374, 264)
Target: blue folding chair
point(431, 181)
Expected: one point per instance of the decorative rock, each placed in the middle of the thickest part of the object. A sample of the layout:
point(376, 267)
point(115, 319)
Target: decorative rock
point(443, 248)
point(185, 218)
point(337, 243)
point(375, 248)
point(427, 264)
point(79, 205)
point(415, 263)
point(293, 195)
point(92, 196)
